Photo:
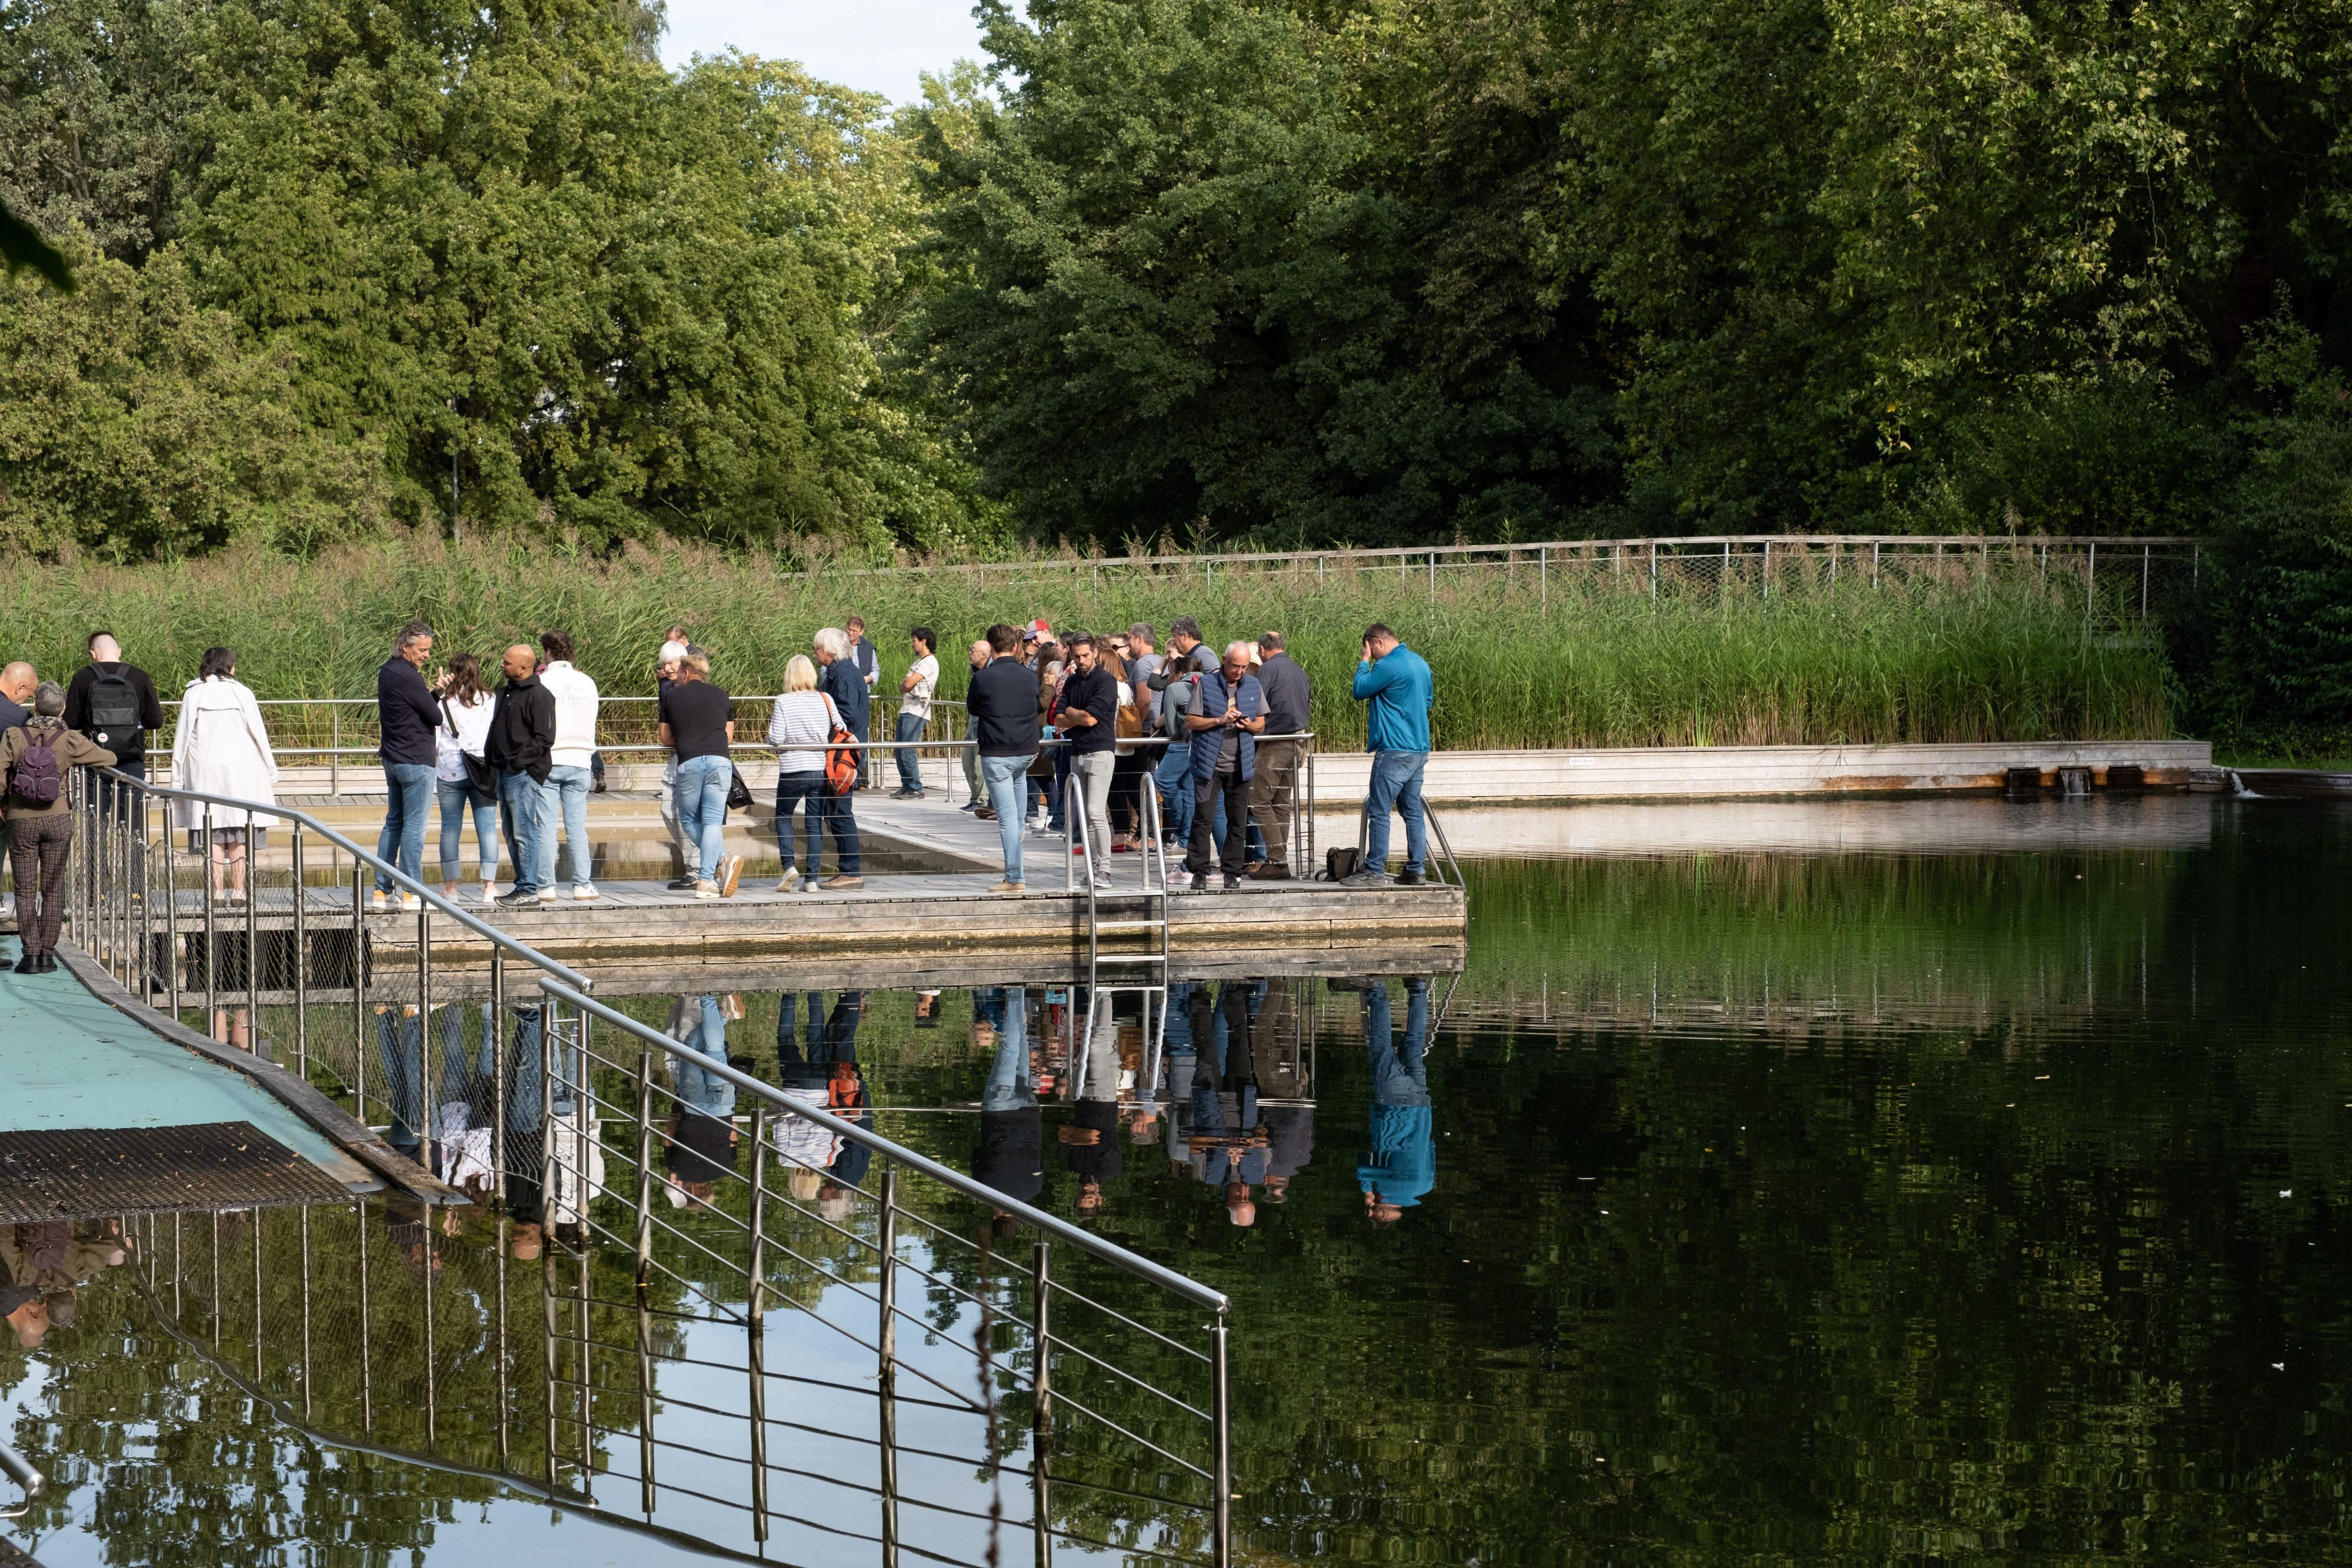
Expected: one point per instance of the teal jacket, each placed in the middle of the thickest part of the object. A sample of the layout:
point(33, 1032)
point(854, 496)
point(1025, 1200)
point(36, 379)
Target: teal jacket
point(1400, 689)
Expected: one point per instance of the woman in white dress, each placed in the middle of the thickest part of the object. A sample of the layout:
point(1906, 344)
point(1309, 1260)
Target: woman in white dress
point(221, 748)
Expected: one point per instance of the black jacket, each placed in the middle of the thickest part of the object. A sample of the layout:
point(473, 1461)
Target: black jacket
point(1002, 700)
point(1287, 695)
point(1095, 692)
point(522, 730)
point(125, 747)
point(405, 714)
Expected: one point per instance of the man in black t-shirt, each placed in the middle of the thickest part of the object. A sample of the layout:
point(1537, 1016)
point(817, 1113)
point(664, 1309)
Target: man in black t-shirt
point(700, 733)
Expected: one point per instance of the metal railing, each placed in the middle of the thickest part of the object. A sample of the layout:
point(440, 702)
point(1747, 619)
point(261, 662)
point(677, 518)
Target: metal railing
point(578, 1116)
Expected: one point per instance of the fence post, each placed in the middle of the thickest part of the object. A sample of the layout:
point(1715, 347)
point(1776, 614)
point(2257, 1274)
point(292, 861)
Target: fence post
point(359, 985)
point(1543, 579)
point(2143, 581)
point(887, 1340)
point(1221, 1462)
point(335, 744)
point(758, 1273)
point(644, 1165)
point(302, 974)
point(1041, 1428)
point(426, 1133)
point(212, 932)
point(2090, 585)
point(496, 1012)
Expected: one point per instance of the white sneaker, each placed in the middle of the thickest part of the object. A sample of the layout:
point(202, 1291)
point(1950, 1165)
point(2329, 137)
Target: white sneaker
point(585, 892)
point(706, 890)
point(378, 902)
point(410, 903)
point(792, 879)
point(490, 891)
point(547, 895)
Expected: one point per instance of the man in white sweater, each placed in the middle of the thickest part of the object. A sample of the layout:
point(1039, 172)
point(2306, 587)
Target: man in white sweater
point(566, 790)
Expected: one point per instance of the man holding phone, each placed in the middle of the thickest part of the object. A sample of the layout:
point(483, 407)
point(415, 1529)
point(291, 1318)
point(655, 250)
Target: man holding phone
point(1227, 718)
point(1395, 683)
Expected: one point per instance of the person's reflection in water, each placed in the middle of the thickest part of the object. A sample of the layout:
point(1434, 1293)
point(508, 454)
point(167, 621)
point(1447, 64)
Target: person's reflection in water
point(1227, 1143)
point(1290, 1145)
point(1011, 1154)
point(810, 1079)
point(41, 1266)
point(699, 1023)
point(1090, 1140)
point(1402, 1163)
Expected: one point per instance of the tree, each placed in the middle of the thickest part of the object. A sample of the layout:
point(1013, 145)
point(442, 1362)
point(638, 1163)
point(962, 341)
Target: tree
point(1193, 277)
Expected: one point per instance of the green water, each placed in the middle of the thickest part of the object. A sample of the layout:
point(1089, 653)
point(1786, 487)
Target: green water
point(1956, 1206)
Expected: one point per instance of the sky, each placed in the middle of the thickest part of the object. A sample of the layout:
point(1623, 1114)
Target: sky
point(879, 46)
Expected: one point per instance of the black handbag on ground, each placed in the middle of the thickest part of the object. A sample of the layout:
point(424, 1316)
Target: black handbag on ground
point(1339, 865)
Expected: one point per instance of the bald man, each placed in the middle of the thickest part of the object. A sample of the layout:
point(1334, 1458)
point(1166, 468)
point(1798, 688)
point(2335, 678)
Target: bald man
point(113, 705)
point(521, 748)
point(17, 683)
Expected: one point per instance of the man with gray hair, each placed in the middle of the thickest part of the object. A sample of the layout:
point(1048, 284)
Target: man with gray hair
point(406, 717)
point(34, 758)
point(17, 683)
point(979, 654)
point(839, 678)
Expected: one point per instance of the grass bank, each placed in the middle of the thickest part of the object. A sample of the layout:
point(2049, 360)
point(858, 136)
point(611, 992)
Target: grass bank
point(1517, 666)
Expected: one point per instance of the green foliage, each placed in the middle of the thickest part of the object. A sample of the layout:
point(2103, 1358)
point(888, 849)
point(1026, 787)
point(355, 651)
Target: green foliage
point(537, 281)
point(135, 423)
point(1597, 663)
point(1205, 271)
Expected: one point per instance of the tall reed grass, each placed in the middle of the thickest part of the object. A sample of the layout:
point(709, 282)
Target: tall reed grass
point(1574, 662)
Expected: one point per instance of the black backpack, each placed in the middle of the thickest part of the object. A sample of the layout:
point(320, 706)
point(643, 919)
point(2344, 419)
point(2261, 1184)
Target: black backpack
point(114, 706)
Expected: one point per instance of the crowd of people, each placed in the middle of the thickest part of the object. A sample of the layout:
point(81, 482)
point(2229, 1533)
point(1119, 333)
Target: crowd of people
point(1056, 724)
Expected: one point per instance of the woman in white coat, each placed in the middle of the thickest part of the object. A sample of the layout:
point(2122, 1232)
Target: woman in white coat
point(221, 748)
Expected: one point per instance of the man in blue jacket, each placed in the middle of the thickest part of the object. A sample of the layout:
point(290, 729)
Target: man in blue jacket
point(1228, 715)
point(1401, 1165)
point(1395, 681)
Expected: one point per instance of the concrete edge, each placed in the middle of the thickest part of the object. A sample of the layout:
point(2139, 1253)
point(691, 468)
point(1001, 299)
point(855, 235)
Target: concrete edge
point(355, 1137)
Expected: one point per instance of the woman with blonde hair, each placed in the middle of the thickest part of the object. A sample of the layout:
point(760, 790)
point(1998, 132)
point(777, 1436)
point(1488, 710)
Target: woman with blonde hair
point(798, 727)
point(220, 747)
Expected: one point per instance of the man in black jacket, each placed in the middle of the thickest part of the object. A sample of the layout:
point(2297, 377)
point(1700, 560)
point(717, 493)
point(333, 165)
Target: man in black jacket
point(406, 717)
point(1003, 707)
point(113, 705)
point(520, 746)
point(1089, 712)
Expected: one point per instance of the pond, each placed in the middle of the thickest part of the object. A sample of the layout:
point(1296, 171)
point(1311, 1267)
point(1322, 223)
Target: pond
point(1977, 1196)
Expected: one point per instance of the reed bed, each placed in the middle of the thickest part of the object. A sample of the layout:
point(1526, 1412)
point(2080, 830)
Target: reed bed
point(1590, 661)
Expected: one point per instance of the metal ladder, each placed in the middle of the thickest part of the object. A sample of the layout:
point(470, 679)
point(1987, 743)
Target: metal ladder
point(1154, 895)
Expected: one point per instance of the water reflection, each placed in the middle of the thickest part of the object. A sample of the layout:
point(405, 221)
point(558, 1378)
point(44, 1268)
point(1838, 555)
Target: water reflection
point(1823, 1210)
point(44, 1264)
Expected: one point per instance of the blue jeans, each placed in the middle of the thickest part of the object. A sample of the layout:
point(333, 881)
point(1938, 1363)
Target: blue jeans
point(566, 791)
point(792, 789)
point(408, 800)
point(519, 801)
point(1396, 786)
point(699, 1090)
point(702, 811)
point(1174, 777)
point(1009, 1086)
point(1008, 785)
point(833, 809)
point(455, 798)
point(1400, 1076)
point(910, 769)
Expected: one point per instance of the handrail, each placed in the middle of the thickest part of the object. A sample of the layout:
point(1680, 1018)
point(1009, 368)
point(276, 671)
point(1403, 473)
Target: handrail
point(383, 868)
point(1059, 1229)
point(570, 986)
point(29, 1480)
